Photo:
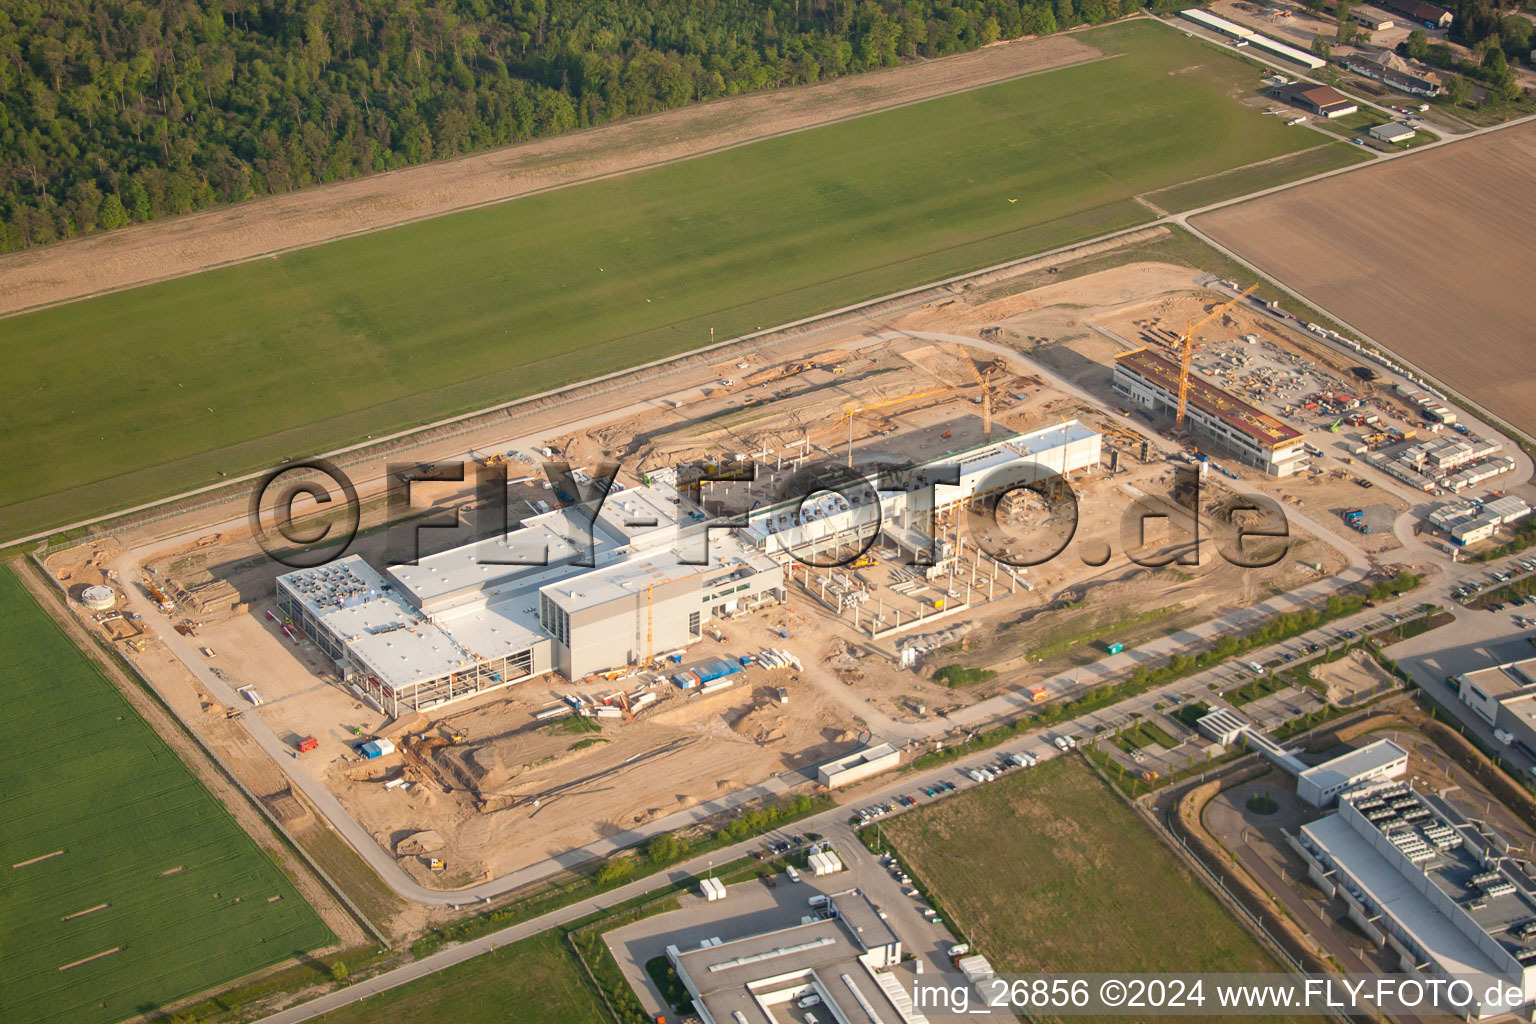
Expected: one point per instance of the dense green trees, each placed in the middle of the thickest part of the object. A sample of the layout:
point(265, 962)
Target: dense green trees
point(114, 111)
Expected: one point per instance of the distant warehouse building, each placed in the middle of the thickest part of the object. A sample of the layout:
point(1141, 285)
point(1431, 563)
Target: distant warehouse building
point(838, 959)
point(1256, 438)
point(1322, 100)
point(1468, 522)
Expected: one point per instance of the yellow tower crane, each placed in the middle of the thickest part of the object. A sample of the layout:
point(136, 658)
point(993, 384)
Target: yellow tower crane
point(1188, 352)
point(850, 411)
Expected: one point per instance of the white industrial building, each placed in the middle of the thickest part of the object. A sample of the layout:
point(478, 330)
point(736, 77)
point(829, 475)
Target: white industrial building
point(579, 594)
point(1320, 786)
point(1248, 37)
point(492, 613)
point(1504, 696)
point(829, 521)
point(858, 765)
point(1436, 888)
point(840, 956)
point(1468, 522)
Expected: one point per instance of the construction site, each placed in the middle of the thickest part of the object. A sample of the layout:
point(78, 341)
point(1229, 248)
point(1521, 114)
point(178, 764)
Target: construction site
point(477, 717)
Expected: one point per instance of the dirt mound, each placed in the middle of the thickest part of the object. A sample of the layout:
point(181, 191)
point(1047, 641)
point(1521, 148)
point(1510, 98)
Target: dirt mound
point(761, 724)
point(419, 843)
point(1354, 674)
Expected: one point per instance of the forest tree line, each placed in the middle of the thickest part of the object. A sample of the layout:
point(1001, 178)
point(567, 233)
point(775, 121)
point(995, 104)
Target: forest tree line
point(117, 111)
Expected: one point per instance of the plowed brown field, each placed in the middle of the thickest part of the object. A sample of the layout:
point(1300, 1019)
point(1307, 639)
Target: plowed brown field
point(1434, 255)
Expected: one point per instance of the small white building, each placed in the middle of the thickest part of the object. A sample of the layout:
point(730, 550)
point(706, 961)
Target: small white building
point(1393, 131)
point(1222, 726)
point(1321, 785)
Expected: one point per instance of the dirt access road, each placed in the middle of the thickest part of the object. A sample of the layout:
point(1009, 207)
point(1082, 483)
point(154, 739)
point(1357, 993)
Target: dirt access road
point(1432, 255)
point(231, 234)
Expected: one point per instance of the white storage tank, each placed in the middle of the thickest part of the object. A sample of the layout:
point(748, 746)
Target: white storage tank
point(98, 598)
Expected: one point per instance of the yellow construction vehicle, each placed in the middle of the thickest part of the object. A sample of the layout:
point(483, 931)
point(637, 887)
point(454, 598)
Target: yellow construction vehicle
point(865, 560)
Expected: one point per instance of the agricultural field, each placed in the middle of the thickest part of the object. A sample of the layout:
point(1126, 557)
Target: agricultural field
point(1452, 298)
point(1046, 870)
point(141, 393)
point(535, 981)
point(111, 846)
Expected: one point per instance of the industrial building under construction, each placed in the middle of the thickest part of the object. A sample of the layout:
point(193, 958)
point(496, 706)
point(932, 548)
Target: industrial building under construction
point(1256, 438)
point(617, 581)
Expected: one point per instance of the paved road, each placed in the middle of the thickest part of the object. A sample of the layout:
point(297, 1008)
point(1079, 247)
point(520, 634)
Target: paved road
point(834, 823)
point(914, 734)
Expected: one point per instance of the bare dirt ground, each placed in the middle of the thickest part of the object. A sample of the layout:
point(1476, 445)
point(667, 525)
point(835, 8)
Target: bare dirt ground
point(502, 791)
point(1452, 299)
point(1356, 672)
point(186, 245)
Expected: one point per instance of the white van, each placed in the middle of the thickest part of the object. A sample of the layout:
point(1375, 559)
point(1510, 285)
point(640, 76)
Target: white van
point(794, 876)
point(817, 901)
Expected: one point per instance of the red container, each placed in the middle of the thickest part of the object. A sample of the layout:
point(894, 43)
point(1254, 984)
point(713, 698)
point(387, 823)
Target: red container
point(308, 743)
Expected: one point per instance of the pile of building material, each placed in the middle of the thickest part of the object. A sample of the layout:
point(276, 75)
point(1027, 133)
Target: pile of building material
point(708, 677)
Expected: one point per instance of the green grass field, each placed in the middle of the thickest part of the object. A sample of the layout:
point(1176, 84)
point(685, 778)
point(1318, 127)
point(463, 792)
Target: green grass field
point(535, 981)
point(143, 393)
point(1241, 181)
point(1046, 870)
point(86, 775)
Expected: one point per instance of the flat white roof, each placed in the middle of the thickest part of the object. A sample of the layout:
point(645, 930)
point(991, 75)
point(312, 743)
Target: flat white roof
point(861, 756)
point(377, 624)
point(1399, 897)
point(515, 560)
point(552, 537)
point(1356, 764)
point(632, 576)
point(498, 629)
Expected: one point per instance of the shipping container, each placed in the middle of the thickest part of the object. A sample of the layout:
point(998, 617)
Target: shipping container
point(377, 748)
point(308, 743)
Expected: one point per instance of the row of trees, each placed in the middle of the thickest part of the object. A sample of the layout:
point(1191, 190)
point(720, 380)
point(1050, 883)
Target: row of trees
point(1492, 62)
point(113, 111)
